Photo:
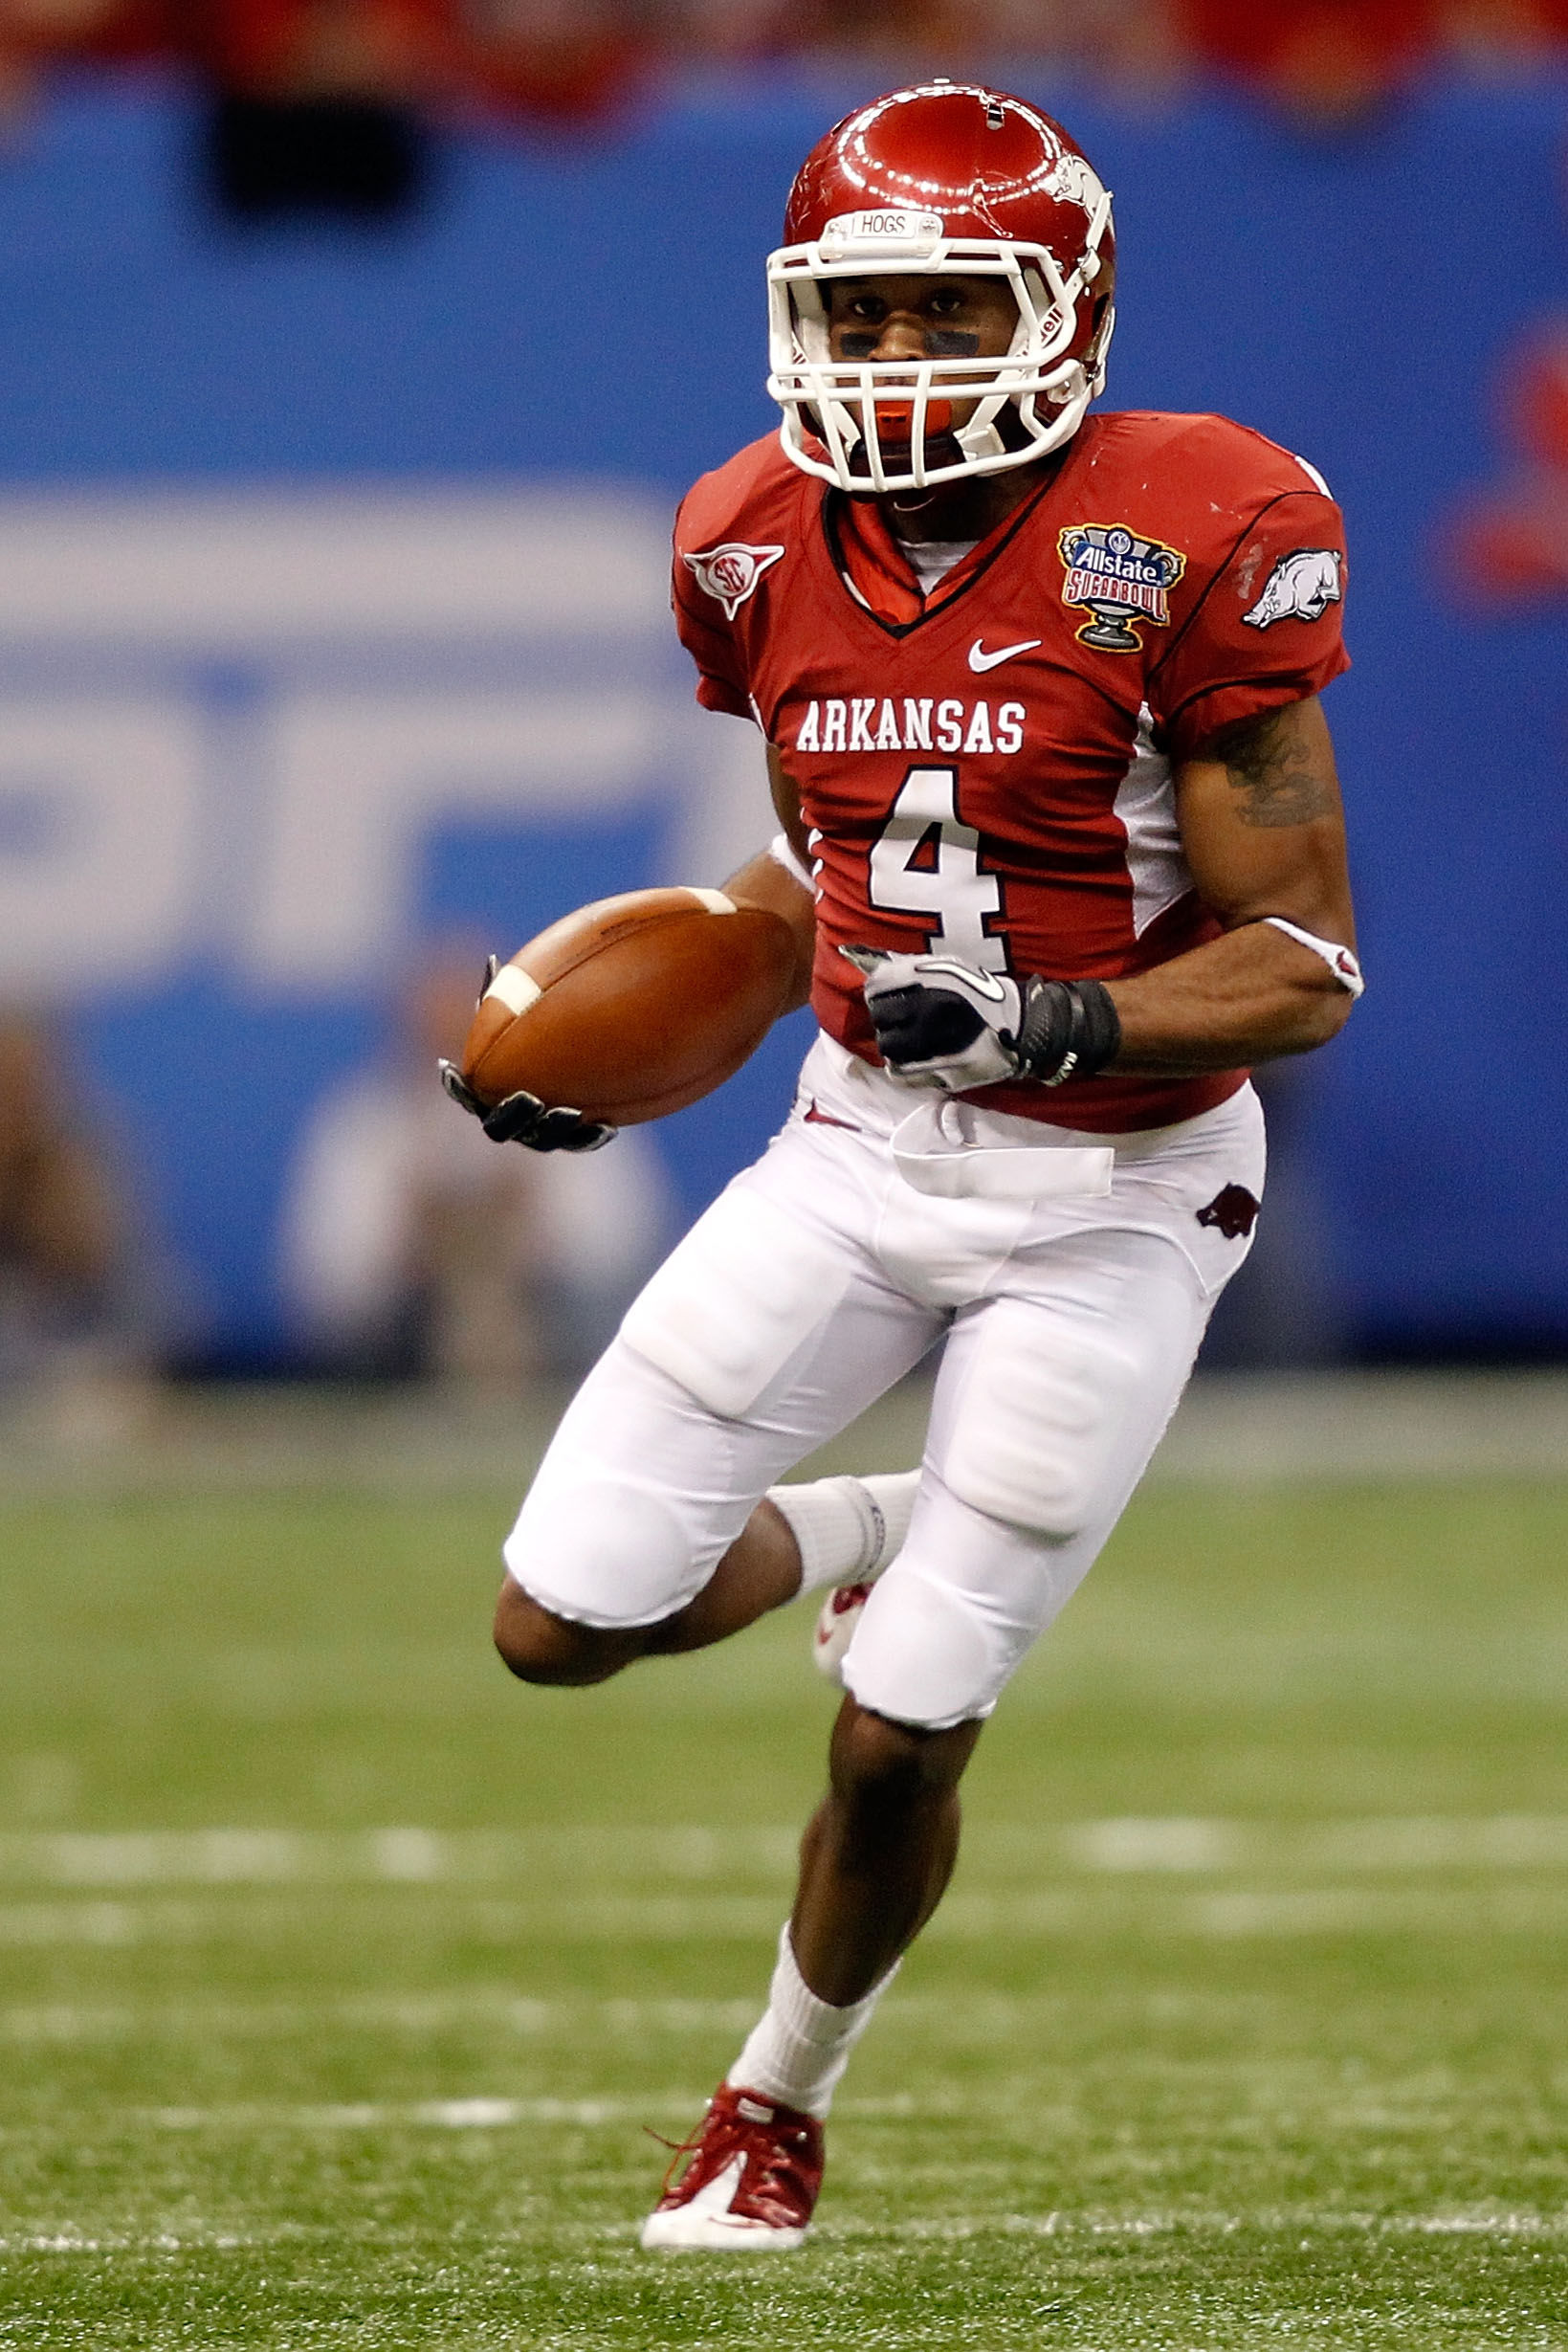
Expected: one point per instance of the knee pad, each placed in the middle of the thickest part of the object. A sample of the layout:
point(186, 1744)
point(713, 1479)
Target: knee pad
point(1055, 1410)
point(603, 1553)
point(731, 1306)
point(921, 1656)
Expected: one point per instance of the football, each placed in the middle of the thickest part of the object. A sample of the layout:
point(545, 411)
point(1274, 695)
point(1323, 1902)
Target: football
point(632, 1007)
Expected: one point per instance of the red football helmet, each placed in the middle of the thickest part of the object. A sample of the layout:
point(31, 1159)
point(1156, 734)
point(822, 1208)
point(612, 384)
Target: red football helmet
point(947, 179)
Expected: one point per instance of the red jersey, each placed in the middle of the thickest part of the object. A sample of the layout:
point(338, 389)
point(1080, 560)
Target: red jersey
point(992, 778)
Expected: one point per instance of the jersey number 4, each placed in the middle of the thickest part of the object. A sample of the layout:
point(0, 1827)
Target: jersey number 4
point(926, 861)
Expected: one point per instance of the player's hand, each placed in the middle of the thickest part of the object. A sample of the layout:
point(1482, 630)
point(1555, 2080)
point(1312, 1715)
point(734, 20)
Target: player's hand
point(940, 1023)
point(944, 1024)
point(523, 1118)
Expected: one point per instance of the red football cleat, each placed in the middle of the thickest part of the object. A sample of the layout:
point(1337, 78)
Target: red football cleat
point(750, 2181)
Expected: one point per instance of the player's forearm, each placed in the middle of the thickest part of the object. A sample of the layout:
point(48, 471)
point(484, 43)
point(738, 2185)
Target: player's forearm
point(764, 882)
point(1253, 996)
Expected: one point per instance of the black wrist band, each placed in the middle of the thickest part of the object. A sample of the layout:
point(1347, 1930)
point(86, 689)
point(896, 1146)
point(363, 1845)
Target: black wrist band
point(1070, 1029)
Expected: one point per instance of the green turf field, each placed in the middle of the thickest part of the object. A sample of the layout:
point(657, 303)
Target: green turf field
point(340, 1975)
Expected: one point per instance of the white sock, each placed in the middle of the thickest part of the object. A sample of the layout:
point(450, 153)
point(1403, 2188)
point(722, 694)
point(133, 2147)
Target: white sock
point(800, 2047)
point(848, 1529)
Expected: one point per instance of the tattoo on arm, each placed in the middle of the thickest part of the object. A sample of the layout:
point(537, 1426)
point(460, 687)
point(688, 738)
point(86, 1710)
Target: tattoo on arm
point(1273, 772)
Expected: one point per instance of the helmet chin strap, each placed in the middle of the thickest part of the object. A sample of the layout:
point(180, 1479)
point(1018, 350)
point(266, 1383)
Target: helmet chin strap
point(980, 437)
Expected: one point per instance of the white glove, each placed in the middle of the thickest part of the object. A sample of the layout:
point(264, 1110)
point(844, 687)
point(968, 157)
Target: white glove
point(940, 1023)
point(948, 1025)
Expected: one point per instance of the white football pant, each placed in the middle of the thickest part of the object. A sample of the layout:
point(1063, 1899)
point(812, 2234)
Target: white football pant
point(1069, 1279)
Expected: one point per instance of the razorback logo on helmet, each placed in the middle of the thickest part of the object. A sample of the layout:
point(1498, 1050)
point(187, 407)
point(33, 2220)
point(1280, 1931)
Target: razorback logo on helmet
point(1075, 181)
point(730, 574)
point(1300, 587)
point(1121, 579)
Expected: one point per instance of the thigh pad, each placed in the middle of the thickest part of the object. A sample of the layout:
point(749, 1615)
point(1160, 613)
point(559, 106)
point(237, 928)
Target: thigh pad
point(735, 1301)
point(1054, 1400)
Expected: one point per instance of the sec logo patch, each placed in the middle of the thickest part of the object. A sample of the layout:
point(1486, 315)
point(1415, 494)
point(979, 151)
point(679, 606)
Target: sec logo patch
point(729, 573)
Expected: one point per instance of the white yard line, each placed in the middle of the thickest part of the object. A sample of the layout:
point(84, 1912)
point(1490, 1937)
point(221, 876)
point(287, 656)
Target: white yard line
point(1176, 1877)
point(1051, 1911)
point(1257, 1912)
point(498, 2011)
point(488, 2115)
point(245, 1919)
point(1302, 2223)
point(1296, 2222)
point(1160, 1846)
point(399, 1855)
point(443, 2114)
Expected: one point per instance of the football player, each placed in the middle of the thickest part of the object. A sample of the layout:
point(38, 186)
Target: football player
point(1061, 840)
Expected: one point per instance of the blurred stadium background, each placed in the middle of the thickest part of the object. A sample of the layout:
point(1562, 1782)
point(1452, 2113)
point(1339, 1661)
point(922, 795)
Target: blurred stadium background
point(354, 355)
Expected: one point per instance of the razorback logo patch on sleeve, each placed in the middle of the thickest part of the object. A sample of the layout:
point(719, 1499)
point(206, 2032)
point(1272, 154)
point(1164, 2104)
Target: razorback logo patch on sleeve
point(730, 572)
point(1121, 579)
point(1301, 588)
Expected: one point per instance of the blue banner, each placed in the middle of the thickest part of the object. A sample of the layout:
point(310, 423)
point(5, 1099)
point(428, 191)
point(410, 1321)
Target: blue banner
point(333, 619)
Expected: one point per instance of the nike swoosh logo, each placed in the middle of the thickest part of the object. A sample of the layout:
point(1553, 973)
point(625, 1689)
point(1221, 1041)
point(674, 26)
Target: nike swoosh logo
point(718, 2195)
point(981, 659)
point(984, 983)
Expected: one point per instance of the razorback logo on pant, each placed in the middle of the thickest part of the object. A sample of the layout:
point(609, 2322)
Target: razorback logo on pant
point(1234, 1210)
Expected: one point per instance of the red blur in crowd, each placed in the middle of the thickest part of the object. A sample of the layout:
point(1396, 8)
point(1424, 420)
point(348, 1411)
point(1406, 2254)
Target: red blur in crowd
point(1509, 545)
point(554, 57)
point(1322, 59)
point(1330, 57)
